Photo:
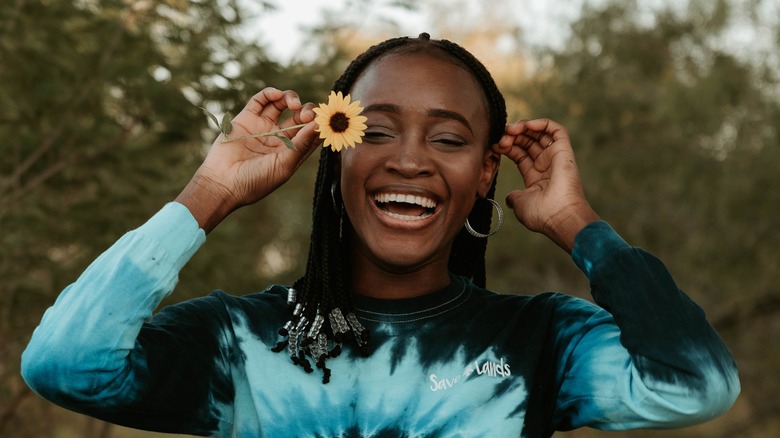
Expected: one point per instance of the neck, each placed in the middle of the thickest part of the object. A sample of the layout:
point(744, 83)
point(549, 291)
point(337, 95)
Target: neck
point(389, 282)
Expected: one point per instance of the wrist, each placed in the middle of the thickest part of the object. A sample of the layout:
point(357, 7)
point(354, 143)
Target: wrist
point(564, 229)
point(208, 201)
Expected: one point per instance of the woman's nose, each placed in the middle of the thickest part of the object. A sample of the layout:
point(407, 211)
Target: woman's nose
point(410, 158)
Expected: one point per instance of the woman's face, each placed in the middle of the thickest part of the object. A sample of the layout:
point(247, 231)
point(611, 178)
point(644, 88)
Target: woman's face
point(409, 187)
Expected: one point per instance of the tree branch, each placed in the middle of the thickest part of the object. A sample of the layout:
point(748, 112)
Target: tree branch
point(69, 114)
point(51, 171)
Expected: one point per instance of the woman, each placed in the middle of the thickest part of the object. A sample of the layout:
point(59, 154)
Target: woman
point(397, 251)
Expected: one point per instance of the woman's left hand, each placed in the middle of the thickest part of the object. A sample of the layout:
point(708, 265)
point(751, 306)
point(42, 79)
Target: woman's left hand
point(553, 202)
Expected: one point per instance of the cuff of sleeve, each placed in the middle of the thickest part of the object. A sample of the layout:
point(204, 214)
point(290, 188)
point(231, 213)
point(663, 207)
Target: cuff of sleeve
point(594, 243)
point(176, 230)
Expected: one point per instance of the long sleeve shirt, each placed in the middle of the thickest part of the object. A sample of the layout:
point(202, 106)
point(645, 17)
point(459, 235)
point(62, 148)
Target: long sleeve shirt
point(460, 362)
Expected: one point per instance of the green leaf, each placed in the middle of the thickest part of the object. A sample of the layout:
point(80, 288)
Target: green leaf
point(227, 124)
point(213, 117)
point(287, 142)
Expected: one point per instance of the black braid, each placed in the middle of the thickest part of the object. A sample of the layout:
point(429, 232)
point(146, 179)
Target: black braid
point(325, 286)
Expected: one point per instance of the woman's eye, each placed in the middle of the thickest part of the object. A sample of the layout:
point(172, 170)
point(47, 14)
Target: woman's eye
point(449, 141)
point(376, 135)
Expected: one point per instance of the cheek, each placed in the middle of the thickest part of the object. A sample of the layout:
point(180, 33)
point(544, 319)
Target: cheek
point(464, 179)
point(354, 171)
point(347, 165)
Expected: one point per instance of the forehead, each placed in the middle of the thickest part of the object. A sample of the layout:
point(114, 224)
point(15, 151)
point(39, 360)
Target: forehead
point(423, 78)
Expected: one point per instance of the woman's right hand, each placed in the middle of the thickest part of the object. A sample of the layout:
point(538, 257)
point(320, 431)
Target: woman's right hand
point(243, 171)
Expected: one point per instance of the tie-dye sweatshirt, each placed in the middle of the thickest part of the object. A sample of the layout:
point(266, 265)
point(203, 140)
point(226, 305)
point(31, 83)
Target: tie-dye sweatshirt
point(460, 362)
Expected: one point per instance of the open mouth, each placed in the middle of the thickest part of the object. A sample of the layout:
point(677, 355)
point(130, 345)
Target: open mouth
point(406, 207)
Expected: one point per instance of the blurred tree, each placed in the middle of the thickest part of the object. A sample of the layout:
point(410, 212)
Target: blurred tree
point(100, 125)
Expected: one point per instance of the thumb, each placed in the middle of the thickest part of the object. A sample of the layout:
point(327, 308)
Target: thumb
point(307, 138)
point(522, 203)
point(514, 200)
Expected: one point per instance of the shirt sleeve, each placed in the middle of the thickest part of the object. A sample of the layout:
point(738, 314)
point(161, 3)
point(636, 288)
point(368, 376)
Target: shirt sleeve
point(648, 358)
point(86, 354)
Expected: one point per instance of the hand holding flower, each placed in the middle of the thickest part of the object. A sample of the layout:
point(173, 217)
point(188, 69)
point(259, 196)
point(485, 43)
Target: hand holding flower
point(249, 161)
point(246, 167)
point(339, 123)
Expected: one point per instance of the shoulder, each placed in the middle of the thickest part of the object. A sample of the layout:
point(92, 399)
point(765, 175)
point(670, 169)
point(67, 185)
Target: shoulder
point(551, 300)
point(223, 315)
point(221, 305)
point(545, 320)
point(549, 307)
point(273, 295)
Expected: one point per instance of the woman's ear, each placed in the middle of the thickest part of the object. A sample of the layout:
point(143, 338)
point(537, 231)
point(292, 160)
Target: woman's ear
point(490, 163)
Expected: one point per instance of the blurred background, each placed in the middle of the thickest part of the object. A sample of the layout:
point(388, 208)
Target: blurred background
point(673, 107)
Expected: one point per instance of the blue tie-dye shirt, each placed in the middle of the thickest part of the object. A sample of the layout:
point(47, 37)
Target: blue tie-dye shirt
point(461, 362)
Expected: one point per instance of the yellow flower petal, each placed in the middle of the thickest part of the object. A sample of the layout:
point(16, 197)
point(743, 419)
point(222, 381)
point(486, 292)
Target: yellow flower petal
point(353, 138)
point(337, 143)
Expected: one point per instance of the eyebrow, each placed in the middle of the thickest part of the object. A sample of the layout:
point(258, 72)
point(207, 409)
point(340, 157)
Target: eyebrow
point(436, 112)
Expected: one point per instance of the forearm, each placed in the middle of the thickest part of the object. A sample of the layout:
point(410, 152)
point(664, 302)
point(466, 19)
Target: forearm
point(675, 369)
point(83, 340)
point(655, 318)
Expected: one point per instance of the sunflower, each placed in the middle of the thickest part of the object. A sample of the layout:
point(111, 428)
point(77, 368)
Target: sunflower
point(339, 122)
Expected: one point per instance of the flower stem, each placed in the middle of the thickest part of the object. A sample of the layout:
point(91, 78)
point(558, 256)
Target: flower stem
point(265, 134)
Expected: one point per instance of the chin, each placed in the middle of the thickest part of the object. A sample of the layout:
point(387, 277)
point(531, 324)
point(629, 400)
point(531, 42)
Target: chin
point(405, 256)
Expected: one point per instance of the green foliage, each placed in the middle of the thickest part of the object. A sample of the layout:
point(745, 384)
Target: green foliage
point(100, 127)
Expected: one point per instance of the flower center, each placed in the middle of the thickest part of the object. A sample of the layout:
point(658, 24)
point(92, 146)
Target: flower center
point(339, 122)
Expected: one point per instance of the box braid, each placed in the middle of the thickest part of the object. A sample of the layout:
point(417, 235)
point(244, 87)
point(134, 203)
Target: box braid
point(322, 312)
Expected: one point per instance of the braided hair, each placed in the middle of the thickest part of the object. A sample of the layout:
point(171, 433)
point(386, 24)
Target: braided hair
point(323, 316)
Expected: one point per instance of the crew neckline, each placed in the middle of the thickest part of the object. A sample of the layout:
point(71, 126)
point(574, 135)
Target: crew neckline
point(407, 310)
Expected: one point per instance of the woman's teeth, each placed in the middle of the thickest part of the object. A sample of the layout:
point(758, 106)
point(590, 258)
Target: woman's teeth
point(408, 199)
point(405, 207)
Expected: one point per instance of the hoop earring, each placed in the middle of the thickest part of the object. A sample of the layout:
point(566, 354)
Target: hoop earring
point(500, 222)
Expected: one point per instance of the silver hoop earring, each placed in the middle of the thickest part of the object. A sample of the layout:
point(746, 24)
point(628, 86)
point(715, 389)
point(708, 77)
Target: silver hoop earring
point(500, 222)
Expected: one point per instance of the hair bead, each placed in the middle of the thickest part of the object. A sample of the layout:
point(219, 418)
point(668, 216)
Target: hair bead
point(292, 296)
point(285, 330)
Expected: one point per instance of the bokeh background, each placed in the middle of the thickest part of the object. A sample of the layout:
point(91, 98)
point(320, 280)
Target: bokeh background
point(673, 107)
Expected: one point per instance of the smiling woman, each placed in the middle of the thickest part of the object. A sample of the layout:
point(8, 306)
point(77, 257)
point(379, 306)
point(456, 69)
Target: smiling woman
point(392, 308)
point(421, 146)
